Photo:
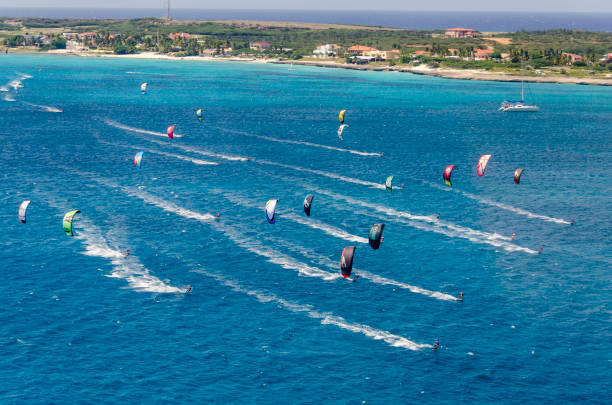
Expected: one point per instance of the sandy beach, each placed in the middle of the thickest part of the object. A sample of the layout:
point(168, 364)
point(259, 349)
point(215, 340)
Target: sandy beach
point(463, 74)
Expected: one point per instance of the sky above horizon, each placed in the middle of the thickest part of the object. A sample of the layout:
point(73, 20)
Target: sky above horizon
point(434, 5)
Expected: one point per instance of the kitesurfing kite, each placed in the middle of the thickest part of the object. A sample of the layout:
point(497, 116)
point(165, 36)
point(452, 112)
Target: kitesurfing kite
point(308, 204)
point(138, 159)
point(199, 114)
point(388, 184)
point(23, 207)
point(270, 211)
point(346, 261)
point(67, 222)
point(375, 236)
point(517, 176)
point(170, 131)
point(341, 116)
point(482, 165)
point(341, 130)
point(447, 174)
point(143, 87)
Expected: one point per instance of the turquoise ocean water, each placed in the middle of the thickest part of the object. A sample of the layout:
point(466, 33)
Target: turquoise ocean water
point(269, 319)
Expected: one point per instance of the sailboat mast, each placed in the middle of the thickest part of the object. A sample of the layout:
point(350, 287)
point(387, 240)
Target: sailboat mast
point(522, 80)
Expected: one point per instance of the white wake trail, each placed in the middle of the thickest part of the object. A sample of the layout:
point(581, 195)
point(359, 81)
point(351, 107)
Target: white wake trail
point(46, 108)
point(204, 152)
point(431, 224)
point(126, 268)
point(310, 222)
point(328, 229)
point(133, 129)
point(159, 152)
point(272, 256)
point(503, 206)
point(375, 278)
point(325, 318)
point(292, 142)
point(323, 173)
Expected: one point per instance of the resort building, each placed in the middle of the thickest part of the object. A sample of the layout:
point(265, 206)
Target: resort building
point(326, 51)
point(606, 57)
point(422, 53)
point(460, 33)
point(259, 46)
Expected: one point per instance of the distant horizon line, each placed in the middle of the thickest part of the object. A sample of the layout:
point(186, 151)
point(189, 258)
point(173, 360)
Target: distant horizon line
point(304, 9)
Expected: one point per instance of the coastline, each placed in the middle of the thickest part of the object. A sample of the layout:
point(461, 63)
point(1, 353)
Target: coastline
point(461, 74)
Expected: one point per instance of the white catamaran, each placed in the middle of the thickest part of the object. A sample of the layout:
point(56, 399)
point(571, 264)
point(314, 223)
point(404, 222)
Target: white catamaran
point(514, 106)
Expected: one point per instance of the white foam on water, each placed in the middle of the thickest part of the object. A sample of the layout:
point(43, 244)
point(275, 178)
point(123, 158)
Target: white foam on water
point(325, 318)
point(503, 206)
point(159, 152)
point(46, 108)
point(325, 261)
point(133, 129)
point(324, 173)
point(314, 145)
point(126, 268)
point(167, 205)
point(431, 224)
point(310, 222)
point(206, 153)
point(328, 229)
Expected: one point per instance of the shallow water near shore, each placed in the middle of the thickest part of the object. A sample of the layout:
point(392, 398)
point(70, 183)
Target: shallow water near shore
point(269, 319)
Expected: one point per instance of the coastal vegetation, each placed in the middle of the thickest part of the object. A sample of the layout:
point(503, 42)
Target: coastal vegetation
point(551, 51)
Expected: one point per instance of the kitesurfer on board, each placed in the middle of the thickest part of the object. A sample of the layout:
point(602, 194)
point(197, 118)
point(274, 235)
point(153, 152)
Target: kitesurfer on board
point(188, 289)
point(436, 344)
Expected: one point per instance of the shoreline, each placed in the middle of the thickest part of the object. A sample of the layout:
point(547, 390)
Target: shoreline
point(460, 74)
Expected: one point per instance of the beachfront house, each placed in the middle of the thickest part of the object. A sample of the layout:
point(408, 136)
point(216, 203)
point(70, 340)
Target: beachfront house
point(573, 58)
point(69, 35)
point(422, 53)
point(259, 46)
point(36, 40)
point(482, 54)
point(326, 51)
point(607, 57)
point(460, 33)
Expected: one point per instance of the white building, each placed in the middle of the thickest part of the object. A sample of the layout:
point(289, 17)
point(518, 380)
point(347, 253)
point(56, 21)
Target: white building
point(326, 51)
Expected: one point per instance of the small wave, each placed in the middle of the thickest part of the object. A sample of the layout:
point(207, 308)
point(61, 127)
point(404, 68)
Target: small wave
point(325, 318)
point(25, 76)
point(314, 145)
point(4, 88)
point(7, 97)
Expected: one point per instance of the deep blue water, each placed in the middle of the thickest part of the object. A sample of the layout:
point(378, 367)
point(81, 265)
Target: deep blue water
point(413, 20)
point(269, 320)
